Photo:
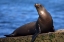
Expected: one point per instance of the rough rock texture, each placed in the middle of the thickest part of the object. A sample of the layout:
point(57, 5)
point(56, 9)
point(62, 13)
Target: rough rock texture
point(57, 36)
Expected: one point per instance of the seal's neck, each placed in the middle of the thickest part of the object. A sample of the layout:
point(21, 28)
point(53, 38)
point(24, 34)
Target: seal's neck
point(42, 13)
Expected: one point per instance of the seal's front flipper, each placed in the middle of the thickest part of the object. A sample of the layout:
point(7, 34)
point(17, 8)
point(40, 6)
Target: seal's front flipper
point(38, 31)
point(34, 37)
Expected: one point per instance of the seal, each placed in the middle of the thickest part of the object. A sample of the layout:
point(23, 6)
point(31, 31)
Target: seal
point(44, 24)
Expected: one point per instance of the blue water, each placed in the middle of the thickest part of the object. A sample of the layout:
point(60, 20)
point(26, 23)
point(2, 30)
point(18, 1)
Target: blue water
point(15, 13)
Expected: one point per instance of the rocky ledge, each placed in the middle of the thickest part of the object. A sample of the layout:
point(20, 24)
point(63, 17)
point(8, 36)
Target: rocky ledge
point(57, 36)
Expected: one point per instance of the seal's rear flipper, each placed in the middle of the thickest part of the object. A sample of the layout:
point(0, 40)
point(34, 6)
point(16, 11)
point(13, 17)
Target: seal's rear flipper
point(7, 35)
point(11, 35)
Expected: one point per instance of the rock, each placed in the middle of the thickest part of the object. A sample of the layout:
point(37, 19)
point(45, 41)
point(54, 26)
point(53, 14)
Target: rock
point(57, 36)
point(60, 30)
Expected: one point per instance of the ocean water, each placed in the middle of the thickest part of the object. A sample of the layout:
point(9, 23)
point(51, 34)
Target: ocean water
point(15, 13)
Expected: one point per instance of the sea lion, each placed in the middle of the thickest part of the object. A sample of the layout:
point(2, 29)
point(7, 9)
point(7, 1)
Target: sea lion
point(44, 24)
point(45, 21)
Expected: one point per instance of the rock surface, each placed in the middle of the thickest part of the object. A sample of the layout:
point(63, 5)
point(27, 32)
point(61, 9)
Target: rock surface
point(57, 36)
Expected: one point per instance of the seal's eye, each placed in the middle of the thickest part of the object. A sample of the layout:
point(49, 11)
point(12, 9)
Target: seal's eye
point(37, 7)
point(40, 5)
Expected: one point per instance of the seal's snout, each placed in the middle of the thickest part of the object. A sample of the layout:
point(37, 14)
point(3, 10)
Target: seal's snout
point(37, 5)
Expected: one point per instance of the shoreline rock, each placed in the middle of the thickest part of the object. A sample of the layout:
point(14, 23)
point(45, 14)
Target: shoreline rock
point(57, 36)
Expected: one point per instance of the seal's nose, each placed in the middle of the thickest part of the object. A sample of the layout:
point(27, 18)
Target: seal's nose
point(37, 4)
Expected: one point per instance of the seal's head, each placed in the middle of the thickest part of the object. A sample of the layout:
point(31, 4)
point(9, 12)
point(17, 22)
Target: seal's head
point(39, 7)
point(41, 11)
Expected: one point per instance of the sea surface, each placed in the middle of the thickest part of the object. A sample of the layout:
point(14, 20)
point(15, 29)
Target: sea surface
point(15, 13)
